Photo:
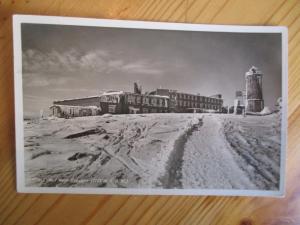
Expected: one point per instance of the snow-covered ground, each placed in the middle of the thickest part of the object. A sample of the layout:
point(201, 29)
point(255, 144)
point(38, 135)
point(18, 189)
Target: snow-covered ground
point(233, 152)
point(154, 151)
point(102, 151)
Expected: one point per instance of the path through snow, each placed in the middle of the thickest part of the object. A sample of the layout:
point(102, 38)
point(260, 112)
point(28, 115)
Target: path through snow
point(154, 151)
point(208, 161)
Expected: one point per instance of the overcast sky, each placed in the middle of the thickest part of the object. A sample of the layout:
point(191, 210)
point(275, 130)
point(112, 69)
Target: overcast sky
point(72, 61)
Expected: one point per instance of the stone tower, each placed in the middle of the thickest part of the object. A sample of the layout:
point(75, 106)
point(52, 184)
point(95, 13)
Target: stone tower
point(254, 96)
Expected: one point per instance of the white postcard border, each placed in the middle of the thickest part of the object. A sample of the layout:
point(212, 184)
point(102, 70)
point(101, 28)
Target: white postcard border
point(18, 91)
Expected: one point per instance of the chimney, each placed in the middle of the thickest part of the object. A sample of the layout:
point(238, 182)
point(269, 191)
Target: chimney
point(137, 89)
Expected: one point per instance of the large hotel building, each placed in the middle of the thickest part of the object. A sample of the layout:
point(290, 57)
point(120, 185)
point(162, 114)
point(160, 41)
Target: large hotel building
point(120, 102)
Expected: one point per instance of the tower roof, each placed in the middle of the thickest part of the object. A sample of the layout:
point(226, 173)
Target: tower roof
point(253, 70)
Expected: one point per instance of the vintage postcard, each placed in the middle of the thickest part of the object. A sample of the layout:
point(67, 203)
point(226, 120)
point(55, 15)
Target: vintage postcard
point(131, 107)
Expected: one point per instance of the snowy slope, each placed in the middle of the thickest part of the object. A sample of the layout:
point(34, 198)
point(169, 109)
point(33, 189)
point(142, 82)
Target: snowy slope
point(103, 151)
point(208, 159)
point(154, 151)
point(233, 152)
point(255, 144)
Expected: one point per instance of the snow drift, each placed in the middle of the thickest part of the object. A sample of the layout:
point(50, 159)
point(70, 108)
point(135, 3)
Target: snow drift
point(154, 151)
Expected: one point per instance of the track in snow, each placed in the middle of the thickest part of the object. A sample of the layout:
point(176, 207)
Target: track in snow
point(172, 177)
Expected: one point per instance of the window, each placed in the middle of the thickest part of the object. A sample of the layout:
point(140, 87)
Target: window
point(161, 102)
point(130, 99)
point(103, 99)
point(152, 101)
point(146, 100)
point(112, 98)
point(145, 110)
point(112, 108)
point(165, 103)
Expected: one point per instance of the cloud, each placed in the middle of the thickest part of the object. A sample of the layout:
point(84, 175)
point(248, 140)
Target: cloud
point(73, 62)
point(35, 98)
point(142, 67)
point(75, 90)
point(38, 80)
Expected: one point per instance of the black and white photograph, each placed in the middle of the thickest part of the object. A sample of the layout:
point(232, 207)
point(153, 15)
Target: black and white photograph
point(128, 107)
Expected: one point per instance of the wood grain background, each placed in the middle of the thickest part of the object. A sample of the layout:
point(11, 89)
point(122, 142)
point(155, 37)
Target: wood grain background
point(31, 209)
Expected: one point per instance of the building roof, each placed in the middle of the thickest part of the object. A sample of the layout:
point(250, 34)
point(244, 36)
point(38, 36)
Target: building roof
point(75, 106)
point(113, 93)
point(159, 96)
point(70, 99)
point(253, 70)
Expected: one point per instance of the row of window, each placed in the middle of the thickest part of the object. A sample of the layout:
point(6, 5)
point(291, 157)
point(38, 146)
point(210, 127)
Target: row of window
point(153, 101)
point(198, 98)
point(162, 102)
point(110, 98)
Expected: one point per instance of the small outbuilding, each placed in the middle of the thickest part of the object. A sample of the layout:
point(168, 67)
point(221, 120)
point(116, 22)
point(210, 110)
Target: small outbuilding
point(68, 111)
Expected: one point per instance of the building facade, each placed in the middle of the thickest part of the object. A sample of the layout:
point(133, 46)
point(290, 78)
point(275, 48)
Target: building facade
point(130, 103)
point(88, 106)
point(67, 111)
point(239, 102)
point(120, 102)
point(186, 103)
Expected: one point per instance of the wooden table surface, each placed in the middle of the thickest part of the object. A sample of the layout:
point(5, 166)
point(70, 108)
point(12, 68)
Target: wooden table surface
point(30, 209)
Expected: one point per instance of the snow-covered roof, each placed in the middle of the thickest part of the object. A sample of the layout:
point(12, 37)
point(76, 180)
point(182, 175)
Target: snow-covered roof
point(214, 97)
point(253, 70)
point(113, 93)
point(69, 99)
point(159, 96)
